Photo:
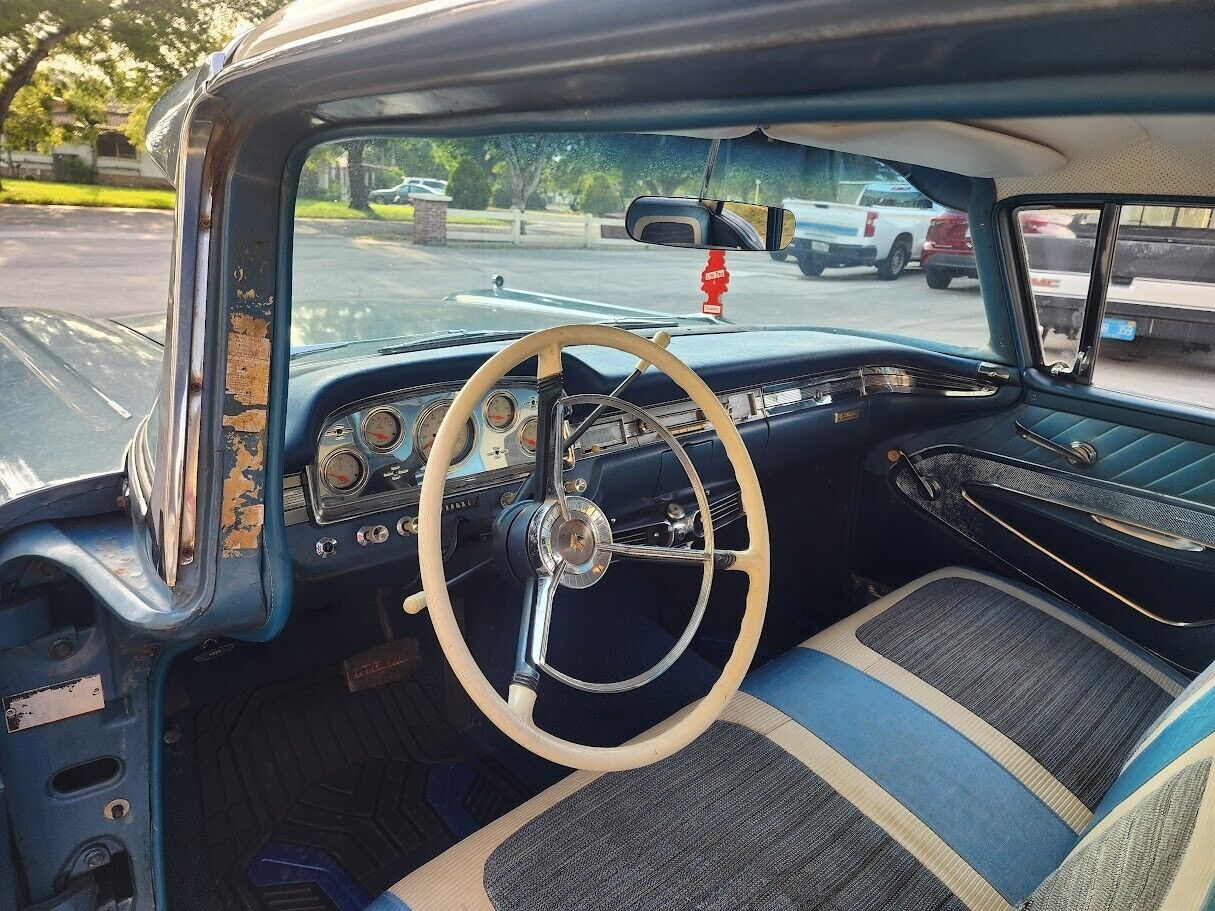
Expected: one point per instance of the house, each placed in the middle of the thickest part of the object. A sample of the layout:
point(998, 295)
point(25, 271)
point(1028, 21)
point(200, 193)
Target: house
point(115, 160)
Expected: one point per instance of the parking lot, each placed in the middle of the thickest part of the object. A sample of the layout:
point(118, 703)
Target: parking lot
point(109, 263)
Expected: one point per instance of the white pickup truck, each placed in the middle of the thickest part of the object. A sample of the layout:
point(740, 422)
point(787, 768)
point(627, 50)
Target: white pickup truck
point(885, 228)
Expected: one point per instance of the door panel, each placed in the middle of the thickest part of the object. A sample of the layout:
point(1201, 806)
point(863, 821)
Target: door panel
point(1129, 539)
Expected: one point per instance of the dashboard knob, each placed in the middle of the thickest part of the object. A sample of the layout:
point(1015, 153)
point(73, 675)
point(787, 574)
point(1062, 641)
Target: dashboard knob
point(326, 547)
point(372, 534)
point(407, 525)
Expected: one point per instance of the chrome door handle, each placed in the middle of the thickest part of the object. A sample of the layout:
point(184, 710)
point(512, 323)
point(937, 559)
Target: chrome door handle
point(1078, 453)
point(1151, 535)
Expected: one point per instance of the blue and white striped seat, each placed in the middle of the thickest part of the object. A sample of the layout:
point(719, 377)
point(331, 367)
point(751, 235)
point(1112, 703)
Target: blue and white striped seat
point(962, 743)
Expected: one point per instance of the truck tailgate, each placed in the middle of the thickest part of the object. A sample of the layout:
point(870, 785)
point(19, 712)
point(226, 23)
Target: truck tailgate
point(827, 220)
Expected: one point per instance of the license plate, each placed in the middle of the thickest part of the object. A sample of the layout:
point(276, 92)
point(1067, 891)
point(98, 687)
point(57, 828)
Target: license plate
point(1120, 330)
point(819, 246)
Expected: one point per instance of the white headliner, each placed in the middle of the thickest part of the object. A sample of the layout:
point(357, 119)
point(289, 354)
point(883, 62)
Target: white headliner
point(1162, 154)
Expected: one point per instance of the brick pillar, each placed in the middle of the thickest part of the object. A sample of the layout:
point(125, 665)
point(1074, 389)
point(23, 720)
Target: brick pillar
point(429, 219)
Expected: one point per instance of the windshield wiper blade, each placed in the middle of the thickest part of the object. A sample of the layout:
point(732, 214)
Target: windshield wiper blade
point(635, 323)
point(447, 336)
point(318, 348)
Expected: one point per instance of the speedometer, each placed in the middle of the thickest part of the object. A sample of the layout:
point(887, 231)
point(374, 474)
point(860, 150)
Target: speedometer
point(383, 428)
point(427, 428)
point(500, 410)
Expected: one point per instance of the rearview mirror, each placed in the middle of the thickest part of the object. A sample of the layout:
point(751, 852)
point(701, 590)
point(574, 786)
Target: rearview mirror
point(708, 224)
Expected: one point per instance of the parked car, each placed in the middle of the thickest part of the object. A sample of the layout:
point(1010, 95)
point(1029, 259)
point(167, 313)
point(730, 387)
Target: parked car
point(884, 228)
point(948, 253)
point(1163, 283)
point(399, 195)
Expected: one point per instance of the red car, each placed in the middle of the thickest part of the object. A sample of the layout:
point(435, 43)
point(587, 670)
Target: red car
point(948, 253)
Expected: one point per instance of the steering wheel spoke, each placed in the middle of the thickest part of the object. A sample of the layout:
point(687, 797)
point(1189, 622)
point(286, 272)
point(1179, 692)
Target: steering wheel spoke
point(722, 559)
point(534, 623)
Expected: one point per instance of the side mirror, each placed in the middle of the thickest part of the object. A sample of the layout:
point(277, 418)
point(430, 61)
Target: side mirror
point(708, 224)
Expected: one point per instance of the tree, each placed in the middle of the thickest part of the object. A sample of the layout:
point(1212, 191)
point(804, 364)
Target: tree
point(525, 157)
point(470, 186)
point(165, 38)
point(30, 124)
point(359, 198)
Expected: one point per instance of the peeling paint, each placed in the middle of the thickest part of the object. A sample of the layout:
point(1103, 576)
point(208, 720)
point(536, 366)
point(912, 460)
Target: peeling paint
point(243, 513)
point(251, 420)
point(247, 383)
point(247, 376)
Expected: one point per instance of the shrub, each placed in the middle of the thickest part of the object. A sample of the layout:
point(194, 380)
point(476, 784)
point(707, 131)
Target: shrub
point(470, 187)
point(599, 195)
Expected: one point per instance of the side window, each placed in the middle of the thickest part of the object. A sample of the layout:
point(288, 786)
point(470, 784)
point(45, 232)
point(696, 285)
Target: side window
point(1058, 246)
point(1157, 323)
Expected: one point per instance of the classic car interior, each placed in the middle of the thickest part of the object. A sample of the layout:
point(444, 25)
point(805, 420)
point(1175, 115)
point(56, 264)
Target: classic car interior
point(595, 602)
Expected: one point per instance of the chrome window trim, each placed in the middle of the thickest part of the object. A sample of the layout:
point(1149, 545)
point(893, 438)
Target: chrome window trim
point(173, 503)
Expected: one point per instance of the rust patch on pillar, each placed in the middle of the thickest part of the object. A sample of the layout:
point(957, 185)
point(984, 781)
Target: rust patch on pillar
point(247, 384)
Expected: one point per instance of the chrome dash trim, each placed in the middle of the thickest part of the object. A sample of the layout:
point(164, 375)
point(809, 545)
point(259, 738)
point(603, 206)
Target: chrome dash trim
point(681, 418)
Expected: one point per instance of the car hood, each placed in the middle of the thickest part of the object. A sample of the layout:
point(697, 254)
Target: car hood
point(75, 389)
point(372, 324)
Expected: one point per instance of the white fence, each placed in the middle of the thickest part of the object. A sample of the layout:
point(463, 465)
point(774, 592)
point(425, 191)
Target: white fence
point(535, 228)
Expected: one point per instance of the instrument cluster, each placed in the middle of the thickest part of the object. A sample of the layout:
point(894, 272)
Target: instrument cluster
point(374, 454)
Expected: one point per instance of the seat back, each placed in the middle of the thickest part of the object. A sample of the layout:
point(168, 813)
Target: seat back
point(1151, 843)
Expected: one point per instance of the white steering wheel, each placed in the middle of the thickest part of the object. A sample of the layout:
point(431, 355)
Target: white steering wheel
point(555, 540)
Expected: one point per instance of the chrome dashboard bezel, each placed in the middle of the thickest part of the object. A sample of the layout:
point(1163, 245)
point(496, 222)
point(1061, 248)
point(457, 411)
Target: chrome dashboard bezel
point(836, 389)
point(328, 507)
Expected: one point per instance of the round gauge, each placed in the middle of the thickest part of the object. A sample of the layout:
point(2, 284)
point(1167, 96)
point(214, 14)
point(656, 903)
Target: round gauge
point(344, 471)
point(500, 410)
point(383, 429)
point(527, 435)
point(427, 428)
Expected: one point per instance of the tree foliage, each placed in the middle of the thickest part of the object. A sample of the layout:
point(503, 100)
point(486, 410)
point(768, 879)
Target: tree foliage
point(599, 195)
point(143, 46)
point(470, 185)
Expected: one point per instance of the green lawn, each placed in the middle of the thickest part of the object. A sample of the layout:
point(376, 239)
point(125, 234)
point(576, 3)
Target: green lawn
point(316, 208)
point(41, 193)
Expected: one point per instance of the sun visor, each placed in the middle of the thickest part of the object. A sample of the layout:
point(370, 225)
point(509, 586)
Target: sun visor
point(939, 144)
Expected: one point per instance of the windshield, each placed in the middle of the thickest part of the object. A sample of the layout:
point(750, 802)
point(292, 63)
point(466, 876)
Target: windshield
point(434, 241)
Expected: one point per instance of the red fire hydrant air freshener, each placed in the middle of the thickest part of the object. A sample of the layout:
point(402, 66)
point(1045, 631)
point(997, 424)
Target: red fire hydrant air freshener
point(714, 282)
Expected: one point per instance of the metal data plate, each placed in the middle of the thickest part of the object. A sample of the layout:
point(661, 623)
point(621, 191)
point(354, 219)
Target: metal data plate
point(53, 703)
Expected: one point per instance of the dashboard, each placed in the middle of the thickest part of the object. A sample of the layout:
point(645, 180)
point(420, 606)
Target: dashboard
point(358, 436)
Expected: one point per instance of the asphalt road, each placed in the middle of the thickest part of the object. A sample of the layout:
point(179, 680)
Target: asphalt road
point(108, 263)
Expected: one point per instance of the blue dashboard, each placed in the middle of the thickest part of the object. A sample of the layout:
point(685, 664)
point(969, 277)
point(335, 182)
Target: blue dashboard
point(357, 432)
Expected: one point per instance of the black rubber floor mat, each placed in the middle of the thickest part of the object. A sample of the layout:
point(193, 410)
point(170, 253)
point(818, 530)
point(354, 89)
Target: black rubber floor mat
point(316, 799)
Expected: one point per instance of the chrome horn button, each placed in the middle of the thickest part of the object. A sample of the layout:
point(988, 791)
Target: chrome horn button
point(573, 542)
